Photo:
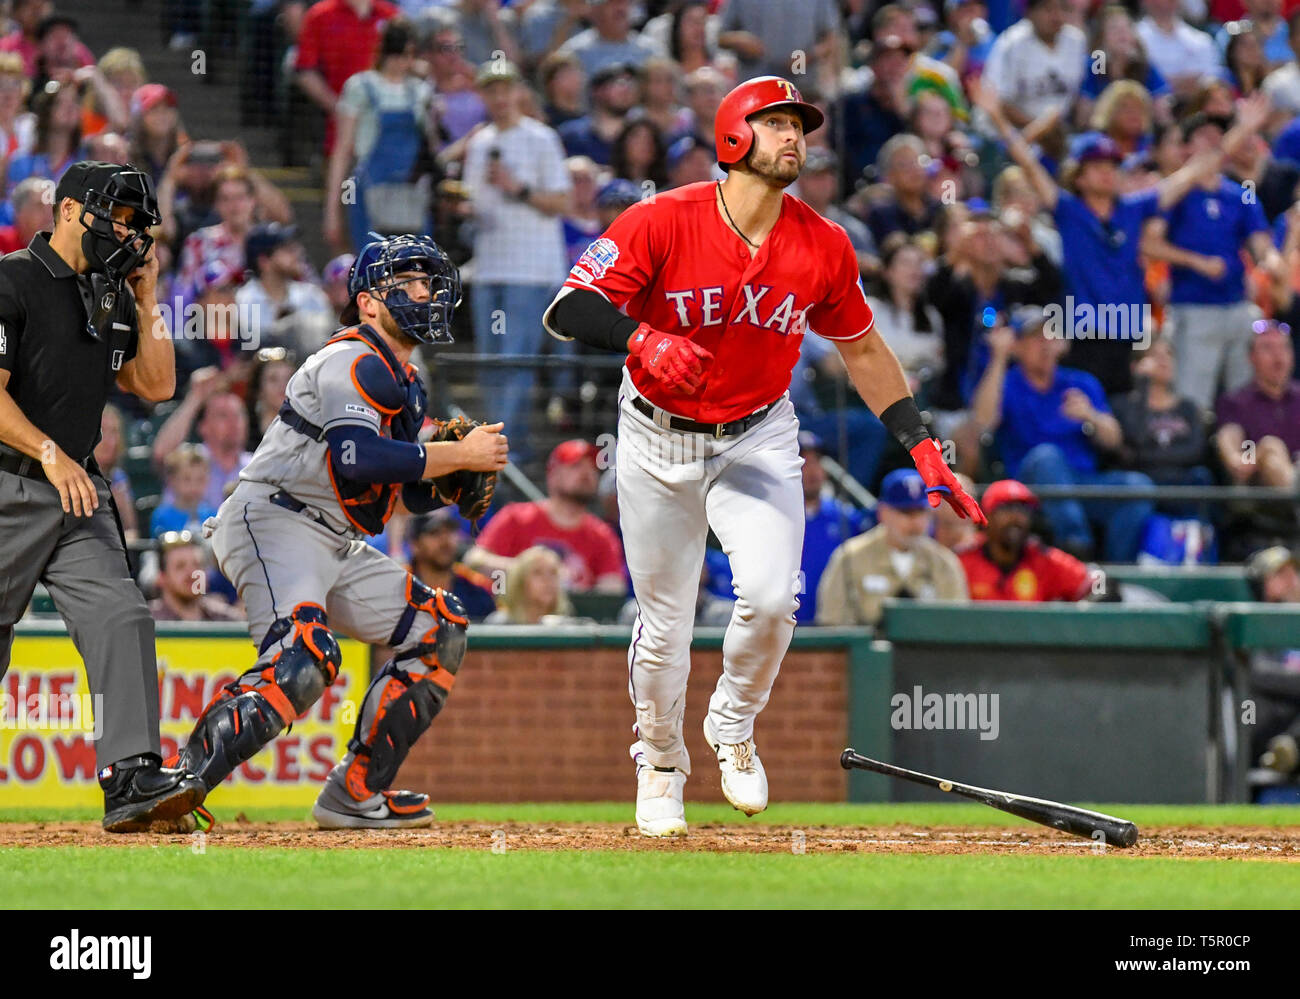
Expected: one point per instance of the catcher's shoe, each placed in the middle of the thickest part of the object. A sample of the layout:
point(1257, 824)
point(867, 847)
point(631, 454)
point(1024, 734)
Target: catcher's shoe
point(659, 808)
point(744, 781)
point(139, 791)
point(336, 809)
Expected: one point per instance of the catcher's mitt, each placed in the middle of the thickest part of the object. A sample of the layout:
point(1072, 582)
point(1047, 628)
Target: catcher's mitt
point(471, 492)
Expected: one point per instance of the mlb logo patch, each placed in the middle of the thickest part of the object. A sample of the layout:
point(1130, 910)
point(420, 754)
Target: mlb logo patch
point(360, 410)
point(599, 257)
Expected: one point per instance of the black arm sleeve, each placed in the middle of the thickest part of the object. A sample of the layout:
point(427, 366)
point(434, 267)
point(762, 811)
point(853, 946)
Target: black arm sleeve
point(589, 318)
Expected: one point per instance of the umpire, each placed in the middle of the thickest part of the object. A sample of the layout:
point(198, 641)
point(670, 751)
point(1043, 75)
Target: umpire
point(72, 308)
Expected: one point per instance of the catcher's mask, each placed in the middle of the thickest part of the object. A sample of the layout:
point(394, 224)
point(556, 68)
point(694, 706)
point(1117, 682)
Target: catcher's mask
point(102, 188)
point(376, 271)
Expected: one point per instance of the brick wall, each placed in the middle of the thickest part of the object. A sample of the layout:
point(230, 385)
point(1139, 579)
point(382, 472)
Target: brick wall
point(553, 725)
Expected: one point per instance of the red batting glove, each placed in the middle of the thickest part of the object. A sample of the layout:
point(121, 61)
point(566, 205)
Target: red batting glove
point(940, 482)
point(678, 363)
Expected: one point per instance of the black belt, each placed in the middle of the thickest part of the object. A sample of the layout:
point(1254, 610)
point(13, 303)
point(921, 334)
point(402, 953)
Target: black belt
point(293, 504)
point(20, 464)
point(716, 430)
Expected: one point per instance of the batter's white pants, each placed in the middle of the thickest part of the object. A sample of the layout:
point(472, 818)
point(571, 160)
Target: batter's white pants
point(673, 487)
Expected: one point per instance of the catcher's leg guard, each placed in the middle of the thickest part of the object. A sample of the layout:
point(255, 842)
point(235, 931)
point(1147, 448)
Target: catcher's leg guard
point(402, 703)
point(252, 710)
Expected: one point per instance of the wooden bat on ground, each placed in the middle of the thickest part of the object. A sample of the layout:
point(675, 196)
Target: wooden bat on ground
point(1079, 821)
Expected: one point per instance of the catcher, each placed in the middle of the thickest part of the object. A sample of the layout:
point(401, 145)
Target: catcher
point(328, 471)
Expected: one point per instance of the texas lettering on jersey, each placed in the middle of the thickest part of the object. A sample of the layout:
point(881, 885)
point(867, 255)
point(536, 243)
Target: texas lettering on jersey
point(674, 263)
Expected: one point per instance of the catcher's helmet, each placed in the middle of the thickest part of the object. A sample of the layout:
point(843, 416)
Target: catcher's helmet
point(101, 188)
point(733, 135)
point(375, 271)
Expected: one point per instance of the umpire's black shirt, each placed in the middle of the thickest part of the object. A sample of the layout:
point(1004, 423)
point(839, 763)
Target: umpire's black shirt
point(61, 374)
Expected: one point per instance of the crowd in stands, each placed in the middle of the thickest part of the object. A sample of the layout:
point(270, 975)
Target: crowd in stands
point(1077, 224)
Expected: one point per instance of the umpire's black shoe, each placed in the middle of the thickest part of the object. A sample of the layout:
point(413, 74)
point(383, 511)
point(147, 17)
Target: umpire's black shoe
point(139, 791)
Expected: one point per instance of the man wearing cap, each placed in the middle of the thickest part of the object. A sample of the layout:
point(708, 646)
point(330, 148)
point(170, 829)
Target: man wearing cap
point(435, 539)
point(286, 310)
point(869, 117)
point(1053, 426)
point(828, 523)
point(1203, 238)
point(519, 188)
point(591, 552)
point(1010, 563)
point(614, 92)
point(1274, 577)
point(896, 558)
point(690, 161)
point(1102, 232)
point(78, 314)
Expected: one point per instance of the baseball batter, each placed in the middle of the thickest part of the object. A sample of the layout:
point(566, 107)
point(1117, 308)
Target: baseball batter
point(328, 471)
point(710, 288)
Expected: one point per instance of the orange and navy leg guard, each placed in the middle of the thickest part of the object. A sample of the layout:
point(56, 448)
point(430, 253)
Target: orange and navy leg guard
point(402, 702)
point(254, 709)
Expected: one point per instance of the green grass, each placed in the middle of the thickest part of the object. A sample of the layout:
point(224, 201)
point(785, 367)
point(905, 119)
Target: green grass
point(141, 874)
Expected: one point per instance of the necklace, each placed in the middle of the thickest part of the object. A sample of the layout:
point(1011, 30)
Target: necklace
point(723, 198)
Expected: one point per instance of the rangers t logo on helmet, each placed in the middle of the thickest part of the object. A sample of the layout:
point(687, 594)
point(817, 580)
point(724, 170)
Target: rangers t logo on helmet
point(732, 133)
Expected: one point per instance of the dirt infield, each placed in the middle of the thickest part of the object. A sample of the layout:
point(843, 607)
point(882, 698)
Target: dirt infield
point(1236, 842)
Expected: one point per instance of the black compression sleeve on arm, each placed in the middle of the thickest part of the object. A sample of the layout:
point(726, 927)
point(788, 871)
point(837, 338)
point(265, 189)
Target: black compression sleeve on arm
point(591, 319)
point(903, 420)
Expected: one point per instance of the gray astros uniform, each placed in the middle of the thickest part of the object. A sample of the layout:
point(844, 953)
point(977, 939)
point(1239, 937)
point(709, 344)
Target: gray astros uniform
point(279, 558)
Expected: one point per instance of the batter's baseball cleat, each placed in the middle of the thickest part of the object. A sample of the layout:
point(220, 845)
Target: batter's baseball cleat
point(139, 791)
point(336, 809)
point(659, 808)
point(744, 781)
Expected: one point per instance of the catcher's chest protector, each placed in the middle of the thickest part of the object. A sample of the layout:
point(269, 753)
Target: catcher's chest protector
point(392, 390)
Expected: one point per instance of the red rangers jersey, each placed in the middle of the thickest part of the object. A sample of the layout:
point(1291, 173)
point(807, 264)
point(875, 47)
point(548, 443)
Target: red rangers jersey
point(673, 262)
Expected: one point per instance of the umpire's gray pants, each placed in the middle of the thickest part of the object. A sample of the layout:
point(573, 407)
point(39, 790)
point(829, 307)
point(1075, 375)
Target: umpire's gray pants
point(81, 562)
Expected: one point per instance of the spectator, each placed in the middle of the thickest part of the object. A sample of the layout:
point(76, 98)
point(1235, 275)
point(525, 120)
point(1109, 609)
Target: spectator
point(563, 87)
point(614, 92)
point(638, 155)
point(334, 279)
point(705, 88)
point(186, 474)
point(592, 556)
point(1274, 576)
point(692, 35)
point(613, 199)
point(828, 523)
point(266, 389)
point(236, 207)
point(1124, 114)
point(545, 25)
point(1253, 167)
point(902, 203)
point(182, 584)
point(1115, 36)
point(953, 531)
point(33, 210)
point(692, 161)
point(819, 184)
point(1163, 433)
point(661, 102)
point(155, 130)
point(534, 592)
point(118, 75)
point(27, 16)
point(1246, 64)
point(380, 129)
point(1053, 428)
point(1016, 203)
point(581, 224)
point(60, 53)
point(1264, 20)
point(17, 125)
point(967, 39)
point(58, 136)
point(287, 310)
point(1037, 65)
point(904, 317)
point(610, 40)
point(765, 33)
point(1101, 230)
point(1283, 84)
point(487, 29)
point(1203, 237)
point(519, 189)
point(896, 558)
point(1010, 563)
point(1180, 53)
point(869, 117)
point(435, 541)
point(337, 40)
point(222, 424)
point(109, 453)
point(457, 104)
point(1259, 424)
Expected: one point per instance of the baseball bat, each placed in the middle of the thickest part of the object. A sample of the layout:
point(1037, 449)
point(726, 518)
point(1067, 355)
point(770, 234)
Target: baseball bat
point(1067, 818)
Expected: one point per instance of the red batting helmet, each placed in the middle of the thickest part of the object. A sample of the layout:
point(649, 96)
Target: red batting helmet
point(732, 133)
